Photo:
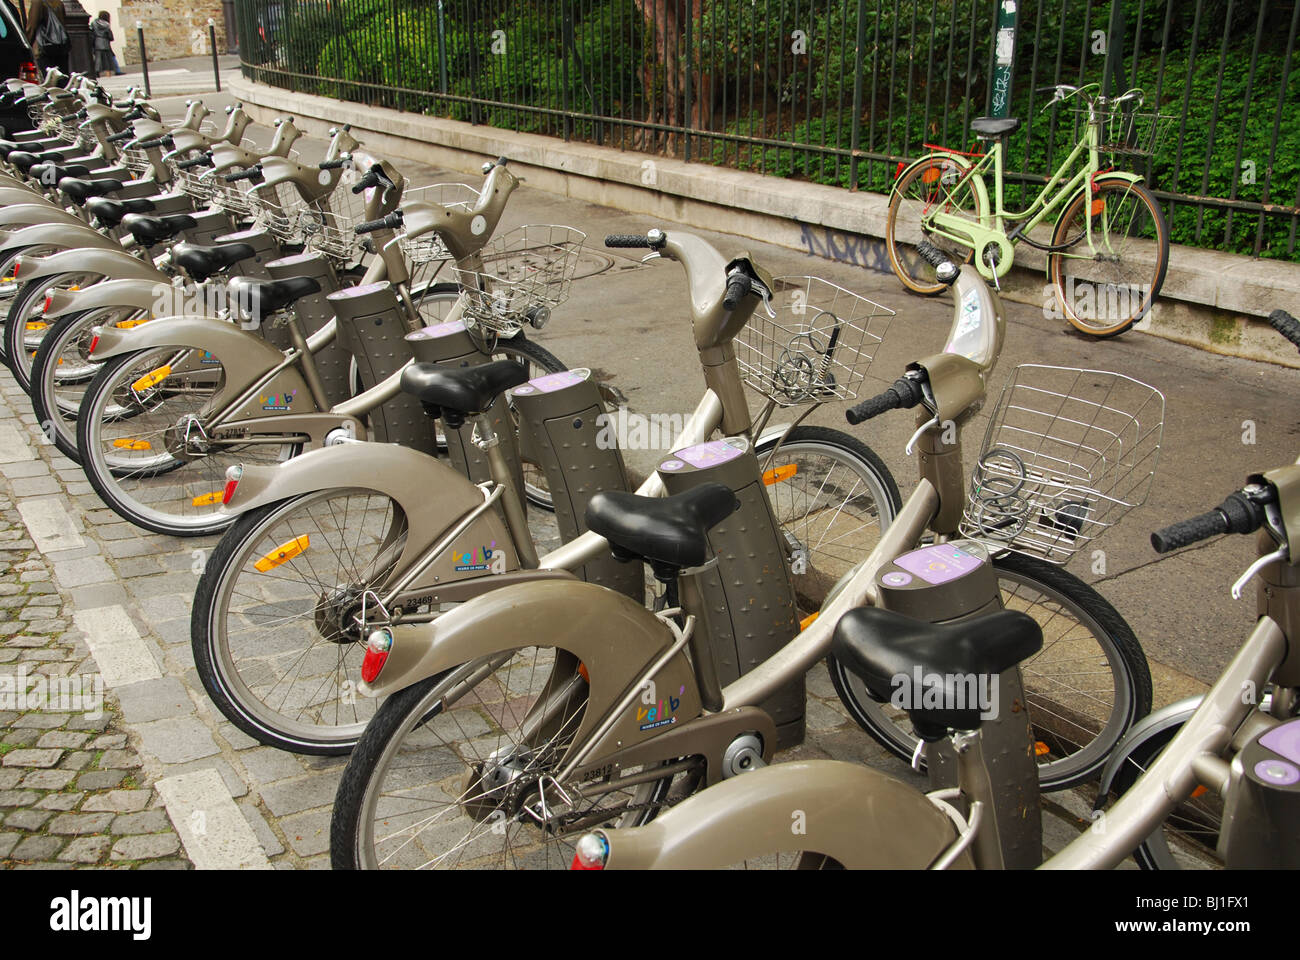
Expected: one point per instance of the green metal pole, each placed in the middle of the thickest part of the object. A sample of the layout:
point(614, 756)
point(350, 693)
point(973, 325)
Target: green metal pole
point(1004, 55)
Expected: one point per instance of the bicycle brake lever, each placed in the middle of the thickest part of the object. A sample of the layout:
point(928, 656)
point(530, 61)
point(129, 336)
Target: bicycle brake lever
point(651, 256)
point(1281, 553)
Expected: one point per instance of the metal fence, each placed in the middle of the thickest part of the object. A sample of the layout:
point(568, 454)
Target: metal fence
point(831, 91)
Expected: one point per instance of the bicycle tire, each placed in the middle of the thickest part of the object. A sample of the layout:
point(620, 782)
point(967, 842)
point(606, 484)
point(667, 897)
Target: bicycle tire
point(1118, 293)
point(916, 273)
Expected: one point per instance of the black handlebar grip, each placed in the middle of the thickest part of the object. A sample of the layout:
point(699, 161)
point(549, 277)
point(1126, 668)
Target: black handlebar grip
point(121, 137)
point(1285, 324)
point(738, 284)
point(1187, 532)
point(934, 256)
point(394, 219)
point(156, 142)
point(371, 179)
point(335, 163)
point(252, 173)
point(627, 240)
point(201, 161)
point(874, 406)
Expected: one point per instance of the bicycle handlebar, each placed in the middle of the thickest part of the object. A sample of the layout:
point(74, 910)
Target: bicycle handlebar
point(945, 270)
point(904, 394)
point(252, 173)
point(392, 221)
point(339, 161)
point(162, 141)
point(633, 240)
point(199, 161)
point(1285, 324)
point(1237, 514)
point(121, 137)
point(738, 285)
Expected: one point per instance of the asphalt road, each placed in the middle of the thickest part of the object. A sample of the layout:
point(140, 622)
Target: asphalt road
point(1225, 418)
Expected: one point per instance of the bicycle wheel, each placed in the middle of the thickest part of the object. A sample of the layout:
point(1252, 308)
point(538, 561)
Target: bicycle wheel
point(272, 627)
point(62, 370)
point(936, 183)
point(833, 497)
point(1104, 289)
point(451, 774)
point(143, 447)
point(1084, 689)
point(1189, 837)
point(10, 287)
point(25, 326)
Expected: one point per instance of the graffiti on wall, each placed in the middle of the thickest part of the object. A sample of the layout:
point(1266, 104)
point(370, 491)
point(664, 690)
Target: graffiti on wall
point(868, 252)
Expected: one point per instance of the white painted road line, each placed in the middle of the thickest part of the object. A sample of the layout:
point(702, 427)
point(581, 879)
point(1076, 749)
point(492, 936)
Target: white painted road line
point(116, 645)
point(50, 523)
point(215, 833)
point(14, 447)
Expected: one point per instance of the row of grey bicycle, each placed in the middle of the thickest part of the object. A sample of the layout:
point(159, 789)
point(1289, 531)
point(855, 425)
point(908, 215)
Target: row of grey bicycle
point(233, 341)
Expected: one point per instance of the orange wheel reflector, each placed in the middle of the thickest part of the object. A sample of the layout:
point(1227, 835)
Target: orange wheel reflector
point(37, 325)
point(930, 174)
point(807, 621)
point(74, 288)
point(208, 499)
point(282, 554)
point(778, 474)
point(1041, 749)
point(1198, 792)
point(130, 443)
point(1098, 207)
point(582, 671)
point(128, 324)
point(152, 377)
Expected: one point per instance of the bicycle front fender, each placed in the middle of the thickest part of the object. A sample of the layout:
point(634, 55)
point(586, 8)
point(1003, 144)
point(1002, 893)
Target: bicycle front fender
point(613, 638)
point(860, 818)
point(977, 183)
point(111, 261)
point(1110, 175)
point(63, 235)
point(1152, 726)
point(134, 293)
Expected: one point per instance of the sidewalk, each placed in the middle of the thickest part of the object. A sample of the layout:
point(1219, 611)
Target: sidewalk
point(169, 78)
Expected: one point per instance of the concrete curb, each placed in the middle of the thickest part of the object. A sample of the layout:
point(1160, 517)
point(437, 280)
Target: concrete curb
point(1215, 301)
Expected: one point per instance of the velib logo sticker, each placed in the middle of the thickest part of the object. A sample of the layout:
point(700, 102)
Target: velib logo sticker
point(657, 712)
point(75, 913)
point(278, 401)
point(486, 559)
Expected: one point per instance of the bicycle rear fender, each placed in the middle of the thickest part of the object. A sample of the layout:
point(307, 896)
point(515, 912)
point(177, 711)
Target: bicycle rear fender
point(977, 183)
point(136, 293)
point(245, 357)
point(11, 195)
point(34, 211)
point(613, 638)
point(1152, 726)
point(859, 817)
point(62, 235)
point(433, 496)
point(107, 262)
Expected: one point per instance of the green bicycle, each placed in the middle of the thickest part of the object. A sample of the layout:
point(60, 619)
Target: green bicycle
point(1109, 247)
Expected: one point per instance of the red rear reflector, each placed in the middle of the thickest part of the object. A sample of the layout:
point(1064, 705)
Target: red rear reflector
point(94, 342)
point(379, 643)
point(590, 853)
point(899, 172)
point(49, 301)
point(233, 475)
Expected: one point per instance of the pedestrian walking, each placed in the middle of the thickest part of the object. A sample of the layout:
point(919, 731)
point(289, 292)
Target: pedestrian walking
point(47, 33)
point(105, 58)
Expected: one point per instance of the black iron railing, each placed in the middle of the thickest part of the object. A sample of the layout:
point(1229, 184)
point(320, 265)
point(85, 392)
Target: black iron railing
point(831, 91)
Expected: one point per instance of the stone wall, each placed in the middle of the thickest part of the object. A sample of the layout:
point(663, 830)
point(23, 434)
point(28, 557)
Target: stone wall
point(172, 28)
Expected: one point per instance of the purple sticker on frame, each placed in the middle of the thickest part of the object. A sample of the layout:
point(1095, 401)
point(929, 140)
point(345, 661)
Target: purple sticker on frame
point(555, 381)
point(1284, 740)
point(940, 563)
point(1277, 771)
point(437, 330)
point(710, 454)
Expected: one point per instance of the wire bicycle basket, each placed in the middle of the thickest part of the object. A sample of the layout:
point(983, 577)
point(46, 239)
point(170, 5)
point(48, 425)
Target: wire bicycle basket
point(278, 207)
point(1067, 453)
point(1125, 129)
point(330, 227)
point(526, 272)
point(817, 348)
point(428, 247)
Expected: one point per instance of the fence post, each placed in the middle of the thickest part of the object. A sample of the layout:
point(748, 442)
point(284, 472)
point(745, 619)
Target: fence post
point(1004, 55)
point(688, 77)
point(144, 56)
point(1112, 79)
point(566, 29)
point(855, 136)
point(442, 49)
point(397, 59)
point(212, 41)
